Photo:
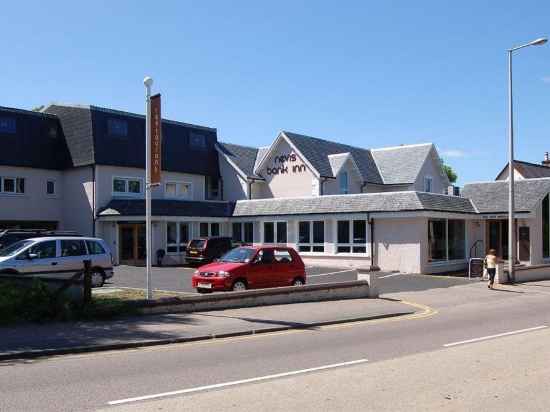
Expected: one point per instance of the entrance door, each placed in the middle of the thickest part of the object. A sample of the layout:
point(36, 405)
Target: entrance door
point(132, 244)
point(498, 237)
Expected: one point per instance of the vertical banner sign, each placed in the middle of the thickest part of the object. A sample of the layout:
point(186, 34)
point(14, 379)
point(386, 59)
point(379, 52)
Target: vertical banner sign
point(156, 139)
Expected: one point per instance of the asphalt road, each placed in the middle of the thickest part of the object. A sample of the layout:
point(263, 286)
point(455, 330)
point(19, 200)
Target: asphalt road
point(88, 382)
point(179, 279)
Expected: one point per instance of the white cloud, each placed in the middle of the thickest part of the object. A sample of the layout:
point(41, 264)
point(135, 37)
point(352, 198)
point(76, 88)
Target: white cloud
point(453, 153)
point(546, 79)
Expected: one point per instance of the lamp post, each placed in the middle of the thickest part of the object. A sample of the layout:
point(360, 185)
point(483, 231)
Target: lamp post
point(511, 231)
point(148, 82)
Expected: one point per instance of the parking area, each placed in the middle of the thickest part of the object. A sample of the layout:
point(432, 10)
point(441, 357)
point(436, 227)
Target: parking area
point(178, 279)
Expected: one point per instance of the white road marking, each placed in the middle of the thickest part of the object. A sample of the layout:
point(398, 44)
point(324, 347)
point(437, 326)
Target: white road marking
point(234, 383)
point(390, 276)
point(515, 332)
point(331, 273)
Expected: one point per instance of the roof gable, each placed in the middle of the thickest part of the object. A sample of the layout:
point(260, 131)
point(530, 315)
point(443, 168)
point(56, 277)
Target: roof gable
point(401, 164)
point(528, 170)
point(243, 158)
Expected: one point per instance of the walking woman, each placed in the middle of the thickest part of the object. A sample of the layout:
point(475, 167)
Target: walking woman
point(491, 265)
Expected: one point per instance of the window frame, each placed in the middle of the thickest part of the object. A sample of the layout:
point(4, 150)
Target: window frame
point(11, 123)
point(16, 185)
point(343, 182)
point(54, 182)
point(178, 184)
point(311, 245)
point(210, 229)
point(351, 236)
point(180, 246)
point(428, 181)
point(110, 129)
point(204, 144)
point(275, 232)
point(127, 192)
point(446, 260)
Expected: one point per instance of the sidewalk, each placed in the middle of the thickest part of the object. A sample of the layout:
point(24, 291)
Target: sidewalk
point(35, 340)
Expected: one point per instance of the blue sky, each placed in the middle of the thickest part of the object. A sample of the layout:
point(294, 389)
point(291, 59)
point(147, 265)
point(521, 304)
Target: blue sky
point(370, 74)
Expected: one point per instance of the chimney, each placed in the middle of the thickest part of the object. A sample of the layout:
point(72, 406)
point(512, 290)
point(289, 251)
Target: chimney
point(546, 161)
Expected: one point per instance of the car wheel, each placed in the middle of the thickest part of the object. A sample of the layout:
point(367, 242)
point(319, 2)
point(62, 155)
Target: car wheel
point(98, 279)
point(298, 282)
point(239, 286)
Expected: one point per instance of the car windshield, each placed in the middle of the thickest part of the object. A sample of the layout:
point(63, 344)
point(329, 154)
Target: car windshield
point(239, 255)
point(16, 247)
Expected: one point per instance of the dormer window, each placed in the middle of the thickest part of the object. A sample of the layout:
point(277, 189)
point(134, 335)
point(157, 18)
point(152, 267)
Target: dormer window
point(7, 125)
point(197, 141)
point(117, 127)
point(428, 184)
point(343, 183)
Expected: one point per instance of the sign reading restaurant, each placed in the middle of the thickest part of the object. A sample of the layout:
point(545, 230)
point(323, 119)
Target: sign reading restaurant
point(156, 139)
point(281, 165)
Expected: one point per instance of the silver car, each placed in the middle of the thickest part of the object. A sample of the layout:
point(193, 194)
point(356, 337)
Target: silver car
point(57, 257)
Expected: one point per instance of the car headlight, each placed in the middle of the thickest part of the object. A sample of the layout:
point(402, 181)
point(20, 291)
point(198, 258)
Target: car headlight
point(223, 274)
point(196, 272)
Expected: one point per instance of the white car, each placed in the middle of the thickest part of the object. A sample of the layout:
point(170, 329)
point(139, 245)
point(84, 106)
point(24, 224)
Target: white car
point(57, 257)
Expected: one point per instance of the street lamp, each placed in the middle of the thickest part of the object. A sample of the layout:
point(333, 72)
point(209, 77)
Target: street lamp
point(511, 231)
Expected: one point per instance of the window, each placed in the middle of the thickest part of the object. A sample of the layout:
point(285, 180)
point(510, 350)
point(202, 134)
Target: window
point(44, 250)
point(343, 182)
point(50, 187)
point(282, 256)
point(52, 132)
point(7, 125)
point(237, 232)
point(178, 190)
point(546, 227)
point(446, 239)
point(248, 229)
point(72, 247)
point(95, 248)
point(311, 236)
point(177, 236)
point(197, 141)
point(129, 186)
point(12, 185)
point(209, 229)
point(275, 232)
point(117, 127)
point(212, 188)
point(351, 236)
point(428, 184)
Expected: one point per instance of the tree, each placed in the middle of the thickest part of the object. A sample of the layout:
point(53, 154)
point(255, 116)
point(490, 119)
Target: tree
point(451, 175)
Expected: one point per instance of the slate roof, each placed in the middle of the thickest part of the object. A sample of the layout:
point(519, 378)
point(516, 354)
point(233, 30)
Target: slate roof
point(360, 203)
point(492, 197)
point(402, 164)
point(167, 207)
point(243, 157)
point(316, 151)
point(89, 141)
point(37, 141)
point(529, 170)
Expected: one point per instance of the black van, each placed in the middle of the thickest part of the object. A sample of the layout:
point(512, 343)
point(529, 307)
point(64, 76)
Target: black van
point(205, 250)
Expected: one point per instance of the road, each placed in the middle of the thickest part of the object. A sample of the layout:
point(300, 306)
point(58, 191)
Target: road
point(460, 313)
point(179, 279)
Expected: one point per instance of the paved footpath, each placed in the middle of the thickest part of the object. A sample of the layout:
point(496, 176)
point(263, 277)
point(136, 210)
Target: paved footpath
point(66, 337)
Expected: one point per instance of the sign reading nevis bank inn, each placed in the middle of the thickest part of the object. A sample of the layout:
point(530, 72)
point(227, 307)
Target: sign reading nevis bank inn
point(285, 163)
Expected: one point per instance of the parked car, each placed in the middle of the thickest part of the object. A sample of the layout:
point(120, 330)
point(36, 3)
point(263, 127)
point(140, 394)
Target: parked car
point(57, 257)
point(205, 250)
point(251, 267)
point(10, 236)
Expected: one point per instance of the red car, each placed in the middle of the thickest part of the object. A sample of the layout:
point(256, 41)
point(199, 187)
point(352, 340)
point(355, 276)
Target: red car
point(250, 268)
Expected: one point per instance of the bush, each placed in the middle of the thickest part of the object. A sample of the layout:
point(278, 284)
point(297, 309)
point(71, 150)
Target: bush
point(35, 303)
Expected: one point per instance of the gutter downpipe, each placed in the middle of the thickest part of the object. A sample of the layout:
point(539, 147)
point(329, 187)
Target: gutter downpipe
point(373, 267)
point(93, 199)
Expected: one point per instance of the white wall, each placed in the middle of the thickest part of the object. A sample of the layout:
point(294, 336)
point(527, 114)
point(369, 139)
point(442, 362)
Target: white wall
point(431, 168)
point(297, 181)
point(78, 195)
point(398, 244)
point(34, 204)
point(105, 174)
point(234, 186)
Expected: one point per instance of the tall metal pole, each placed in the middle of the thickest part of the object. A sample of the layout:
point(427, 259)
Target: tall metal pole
point(511, 231)
point(148, 82)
